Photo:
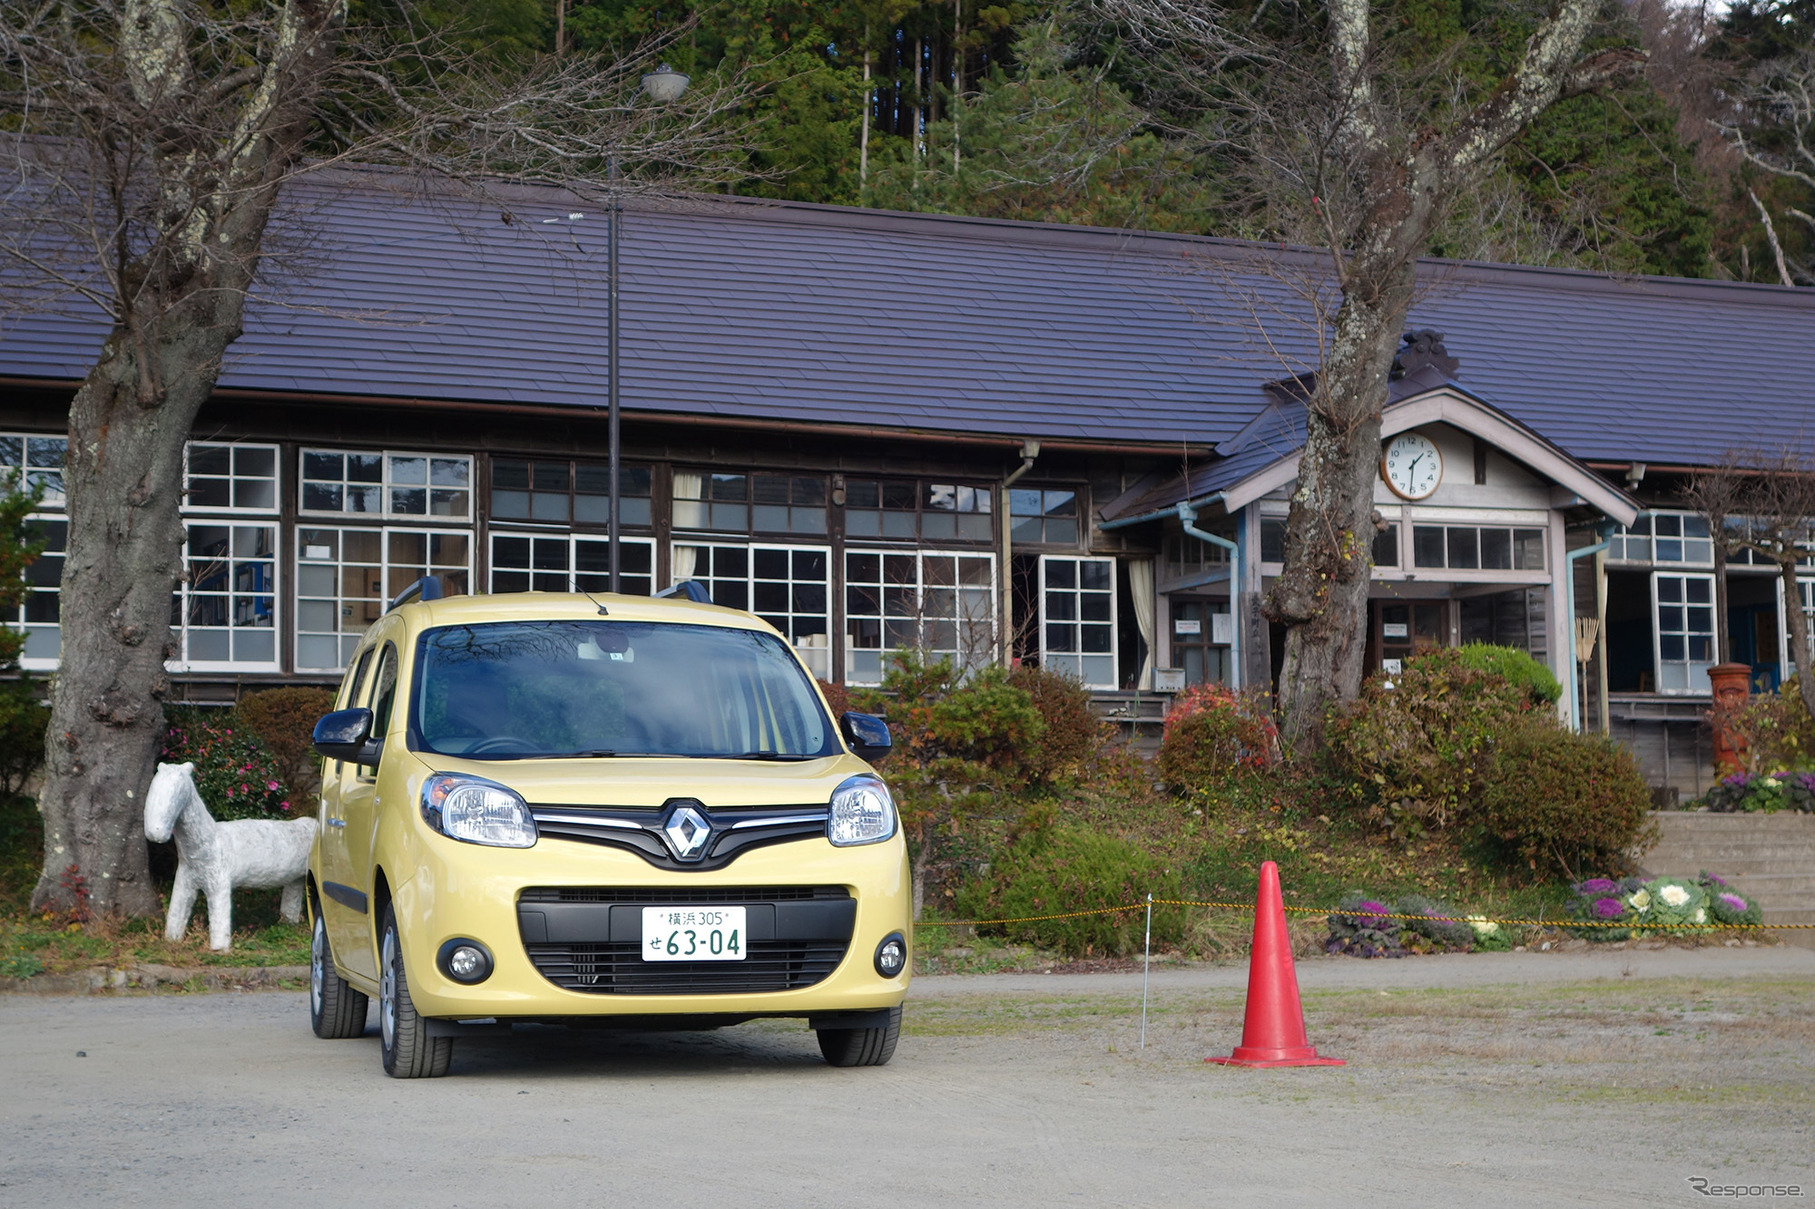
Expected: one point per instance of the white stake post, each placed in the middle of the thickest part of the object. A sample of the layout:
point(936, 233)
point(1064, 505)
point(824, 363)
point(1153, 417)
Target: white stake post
point(1146, 961)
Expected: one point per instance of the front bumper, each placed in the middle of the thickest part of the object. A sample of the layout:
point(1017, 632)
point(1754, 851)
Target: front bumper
point(462, 891)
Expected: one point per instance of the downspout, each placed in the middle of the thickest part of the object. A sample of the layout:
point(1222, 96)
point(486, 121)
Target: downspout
point(1187, 516)
point(1569, 616)
point(1029, 451)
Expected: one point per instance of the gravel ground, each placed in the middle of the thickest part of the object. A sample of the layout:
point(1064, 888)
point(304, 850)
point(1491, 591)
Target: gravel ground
point(1513, 1079)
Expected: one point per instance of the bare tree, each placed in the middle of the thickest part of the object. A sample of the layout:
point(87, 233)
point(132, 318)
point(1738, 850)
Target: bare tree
point(1773, 128)
point(1360, 142)
point(1769, 502)
point(148, 143)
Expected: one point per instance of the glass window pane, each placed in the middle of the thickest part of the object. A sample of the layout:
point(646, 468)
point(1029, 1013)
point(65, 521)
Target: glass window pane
point(1427, 546)
point(1496, 549)
point(1463, 552)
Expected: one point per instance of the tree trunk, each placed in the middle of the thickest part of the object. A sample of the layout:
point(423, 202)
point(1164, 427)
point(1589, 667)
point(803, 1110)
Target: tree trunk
point(1797, 622)
point(180, 296)
point(1322, 595)
point(124, 480)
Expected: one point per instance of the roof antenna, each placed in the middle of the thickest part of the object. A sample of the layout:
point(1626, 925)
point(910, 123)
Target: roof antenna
point(603, 611)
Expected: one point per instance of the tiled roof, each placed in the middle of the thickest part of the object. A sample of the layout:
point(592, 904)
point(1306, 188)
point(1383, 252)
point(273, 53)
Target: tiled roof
point(791, 312)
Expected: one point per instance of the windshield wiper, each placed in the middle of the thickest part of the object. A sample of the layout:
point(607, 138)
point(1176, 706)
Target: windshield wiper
point(593, 753)
point(764, 755)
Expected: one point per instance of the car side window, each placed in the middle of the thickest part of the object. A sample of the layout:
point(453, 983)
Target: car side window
point(356, 682)
point(384, 692)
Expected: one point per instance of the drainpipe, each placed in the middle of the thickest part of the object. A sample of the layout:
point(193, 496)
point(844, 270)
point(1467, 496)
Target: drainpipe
point(1187, 516)
point(1029, 451)
point(1569, 616)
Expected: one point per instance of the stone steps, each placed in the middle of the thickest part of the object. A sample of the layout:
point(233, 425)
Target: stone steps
point(1770, 857)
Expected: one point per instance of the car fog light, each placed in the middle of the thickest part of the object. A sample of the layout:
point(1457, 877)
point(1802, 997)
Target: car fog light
point(465, 961)
point(891, 955)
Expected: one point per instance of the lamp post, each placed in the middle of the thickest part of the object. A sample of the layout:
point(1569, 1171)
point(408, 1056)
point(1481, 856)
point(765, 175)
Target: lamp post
point(664, 86)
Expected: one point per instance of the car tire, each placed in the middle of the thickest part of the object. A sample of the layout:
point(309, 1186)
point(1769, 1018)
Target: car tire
point(336, 1010)
point(404, 1042)
point(861, 1046)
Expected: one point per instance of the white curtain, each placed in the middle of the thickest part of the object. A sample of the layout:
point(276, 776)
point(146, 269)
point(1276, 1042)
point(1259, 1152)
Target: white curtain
point(689, 513)
point(1140, 586)
point(685, 559)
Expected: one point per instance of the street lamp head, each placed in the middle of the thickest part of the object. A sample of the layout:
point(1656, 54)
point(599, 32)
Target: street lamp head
point(665, 85)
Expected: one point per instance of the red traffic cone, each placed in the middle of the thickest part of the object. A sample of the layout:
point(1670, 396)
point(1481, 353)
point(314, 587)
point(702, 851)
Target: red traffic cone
point(1273, 1032)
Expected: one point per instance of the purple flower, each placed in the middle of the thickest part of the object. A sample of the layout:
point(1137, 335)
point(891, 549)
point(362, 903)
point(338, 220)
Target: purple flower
point(1597, 885)
point(1733, 902)
point(1738, 780)
point(1609, 908)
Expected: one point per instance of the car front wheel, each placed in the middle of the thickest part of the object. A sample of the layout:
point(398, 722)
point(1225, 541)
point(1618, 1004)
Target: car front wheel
point(409, 1052)
point(861, 1046)
point(336, 1010)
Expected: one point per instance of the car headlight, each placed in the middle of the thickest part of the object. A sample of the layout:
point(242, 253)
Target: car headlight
point(477, 811)
point(862, 813)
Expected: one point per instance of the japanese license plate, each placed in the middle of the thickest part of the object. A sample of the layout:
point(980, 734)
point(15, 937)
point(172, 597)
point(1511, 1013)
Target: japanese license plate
point(694, 933)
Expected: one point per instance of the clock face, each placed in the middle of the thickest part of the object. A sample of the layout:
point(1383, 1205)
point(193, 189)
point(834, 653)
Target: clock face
point(1411, 466)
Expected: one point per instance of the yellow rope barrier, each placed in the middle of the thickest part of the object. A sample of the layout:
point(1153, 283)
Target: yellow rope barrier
point(1457, 919)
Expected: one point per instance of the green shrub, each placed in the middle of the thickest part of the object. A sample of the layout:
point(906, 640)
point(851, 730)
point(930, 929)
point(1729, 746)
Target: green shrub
point(1775, 730)
point(1561, 802)
point(1073, 740)
point(235, 772)
point(22, 721)
point(960, 745)
point(1051, 870)
point(21, 852)
point(1515, 667)
point(284, 720)
point(1213, 734)
point(1414, 747)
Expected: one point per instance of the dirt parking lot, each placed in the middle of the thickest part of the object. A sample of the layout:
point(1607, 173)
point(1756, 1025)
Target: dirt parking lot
point(1501, 1080)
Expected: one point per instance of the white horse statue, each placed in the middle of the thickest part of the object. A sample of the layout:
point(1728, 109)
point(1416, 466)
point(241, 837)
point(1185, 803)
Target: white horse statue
point(211, 857)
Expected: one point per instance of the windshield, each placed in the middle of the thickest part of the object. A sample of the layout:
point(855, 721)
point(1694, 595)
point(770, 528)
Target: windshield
point(528, 689)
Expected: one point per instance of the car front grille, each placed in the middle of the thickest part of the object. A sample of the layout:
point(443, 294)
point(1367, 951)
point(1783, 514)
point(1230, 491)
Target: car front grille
point(588, 938)
point(619, 969)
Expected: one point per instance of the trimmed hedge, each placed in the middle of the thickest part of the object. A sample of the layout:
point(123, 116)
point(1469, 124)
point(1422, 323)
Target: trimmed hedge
point(1056, 869)
point(1563, 802)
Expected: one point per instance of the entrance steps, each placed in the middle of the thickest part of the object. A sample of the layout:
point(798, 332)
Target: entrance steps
point(1770, 857)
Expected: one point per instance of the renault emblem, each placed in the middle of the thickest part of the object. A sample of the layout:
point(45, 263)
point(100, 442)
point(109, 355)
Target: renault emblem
point(687, 833)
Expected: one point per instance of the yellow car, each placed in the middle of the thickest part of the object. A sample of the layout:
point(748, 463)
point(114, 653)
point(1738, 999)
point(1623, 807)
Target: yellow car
point(620, 810)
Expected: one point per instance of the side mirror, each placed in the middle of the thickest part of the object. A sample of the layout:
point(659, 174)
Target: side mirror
point(346, 734)
point(868, 736)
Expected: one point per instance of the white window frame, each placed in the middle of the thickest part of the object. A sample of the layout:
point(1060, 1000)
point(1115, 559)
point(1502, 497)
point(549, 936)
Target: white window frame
point(572, 542)
point(1619, 551)
point(386, 485)
point(30, 474)
point(233, 479)
point(964, 624)
point(1696, 684)
point(16, 619)
point(1072, 662)
point(349, 641)
point(182, 631)
point(817, 658)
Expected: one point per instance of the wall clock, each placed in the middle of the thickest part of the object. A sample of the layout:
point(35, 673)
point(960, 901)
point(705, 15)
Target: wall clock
point(1411, 466)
